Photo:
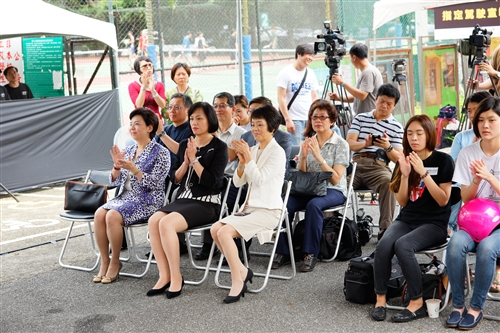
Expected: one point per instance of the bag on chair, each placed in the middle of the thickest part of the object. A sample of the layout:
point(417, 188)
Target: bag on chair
point(84, 197)
point(359, 280)
point(434, 279)
point(309, 183)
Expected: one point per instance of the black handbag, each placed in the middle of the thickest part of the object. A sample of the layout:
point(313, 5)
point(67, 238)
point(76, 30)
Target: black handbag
point(309, 183)
point(84, 197)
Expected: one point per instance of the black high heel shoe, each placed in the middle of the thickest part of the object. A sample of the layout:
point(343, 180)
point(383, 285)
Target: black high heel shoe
point(249, 276)
point(174, 294)
point(154, 292)
point(233, 299)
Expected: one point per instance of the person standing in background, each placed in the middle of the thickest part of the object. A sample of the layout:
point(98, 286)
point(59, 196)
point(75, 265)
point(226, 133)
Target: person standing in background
point(365, 92)
point(16, 89)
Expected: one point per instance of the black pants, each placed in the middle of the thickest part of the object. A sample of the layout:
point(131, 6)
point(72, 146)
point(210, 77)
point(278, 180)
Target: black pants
point(404, 240)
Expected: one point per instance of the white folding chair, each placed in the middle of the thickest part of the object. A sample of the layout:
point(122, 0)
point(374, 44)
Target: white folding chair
point(432, 251)
point(189, 232)
point(267, 274)
point(349, 203)
point(95, 177)
point(132, 245)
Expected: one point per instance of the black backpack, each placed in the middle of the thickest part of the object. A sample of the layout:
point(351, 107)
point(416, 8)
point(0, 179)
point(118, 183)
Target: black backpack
point(350, 246)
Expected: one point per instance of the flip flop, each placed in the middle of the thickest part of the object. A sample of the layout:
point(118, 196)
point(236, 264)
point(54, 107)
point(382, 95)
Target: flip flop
point(495, 286)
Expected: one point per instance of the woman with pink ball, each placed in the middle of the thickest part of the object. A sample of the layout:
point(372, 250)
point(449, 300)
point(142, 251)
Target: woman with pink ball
point(478, 171)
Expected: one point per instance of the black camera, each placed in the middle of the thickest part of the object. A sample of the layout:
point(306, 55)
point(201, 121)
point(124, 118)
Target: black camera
point(333, 43)
point(399, 69)
point(480, 40)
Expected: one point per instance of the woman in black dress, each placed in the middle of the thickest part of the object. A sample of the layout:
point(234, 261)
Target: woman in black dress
point(200, 172)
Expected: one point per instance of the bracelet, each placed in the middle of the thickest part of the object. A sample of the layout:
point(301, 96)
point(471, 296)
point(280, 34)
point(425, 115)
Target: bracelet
point(156, 95)
point(135, 173)
point(117, 169)
point(425, 175)
point(342, 85)
point(143, 89)
point(474, 181)
point(241, 167)
point(389, 149)
point(195, 160)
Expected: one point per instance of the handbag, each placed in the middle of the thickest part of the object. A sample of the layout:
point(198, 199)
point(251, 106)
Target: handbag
point(309, 183)
point(84, 197)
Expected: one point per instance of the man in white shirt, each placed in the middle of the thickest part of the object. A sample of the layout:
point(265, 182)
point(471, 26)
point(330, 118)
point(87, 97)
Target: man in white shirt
point(288, 82)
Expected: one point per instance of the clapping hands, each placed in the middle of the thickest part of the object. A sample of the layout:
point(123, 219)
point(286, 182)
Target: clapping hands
point(242, 150)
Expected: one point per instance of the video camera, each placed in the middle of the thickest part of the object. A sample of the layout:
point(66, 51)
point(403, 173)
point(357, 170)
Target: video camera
point(399, 69)
point(333, 43)
point(480, 40)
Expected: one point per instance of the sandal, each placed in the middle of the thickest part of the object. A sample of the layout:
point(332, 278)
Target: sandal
point(495, 286)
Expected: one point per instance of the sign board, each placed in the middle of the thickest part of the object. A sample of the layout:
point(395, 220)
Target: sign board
point(43, 66)
point(264, 20)
point(11, 55)
point(458, 21)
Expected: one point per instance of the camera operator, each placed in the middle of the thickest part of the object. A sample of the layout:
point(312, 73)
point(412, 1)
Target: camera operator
point(493, 70)
point(363, 95)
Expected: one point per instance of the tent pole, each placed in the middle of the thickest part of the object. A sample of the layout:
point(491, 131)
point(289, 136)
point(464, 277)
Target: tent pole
point(374, 47)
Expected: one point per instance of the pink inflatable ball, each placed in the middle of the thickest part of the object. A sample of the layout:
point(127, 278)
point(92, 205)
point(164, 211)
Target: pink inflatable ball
point(479, 217)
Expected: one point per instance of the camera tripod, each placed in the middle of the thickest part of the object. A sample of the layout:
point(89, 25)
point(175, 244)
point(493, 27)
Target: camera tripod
point(474, 75)
point(345, 117)
point(404, 90)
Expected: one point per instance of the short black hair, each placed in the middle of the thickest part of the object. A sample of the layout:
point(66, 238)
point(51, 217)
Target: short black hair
point(137, 63)
point(270, 115)
point(227, 96)
point(186, 100)
point(477, 97)
point(149, 117)
point(389, 90)
point(302, 49)
point(490, 103)
point(177, 66)
point(213, 122)
point(8, 69)
point(241, 99)
point(359, 50)
point(260, 100)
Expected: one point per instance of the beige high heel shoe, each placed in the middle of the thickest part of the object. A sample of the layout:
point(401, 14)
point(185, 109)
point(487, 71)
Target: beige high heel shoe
point(107, 279)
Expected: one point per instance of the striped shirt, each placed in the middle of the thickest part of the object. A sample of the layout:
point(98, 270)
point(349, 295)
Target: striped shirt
point(365, 124)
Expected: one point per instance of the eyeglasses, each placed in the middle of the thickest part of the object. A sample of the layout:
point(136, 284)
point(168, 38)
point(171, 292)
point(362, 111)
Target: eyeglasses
point(319, 117)
point(221, 106)
point(148, 65)
point(175, 108)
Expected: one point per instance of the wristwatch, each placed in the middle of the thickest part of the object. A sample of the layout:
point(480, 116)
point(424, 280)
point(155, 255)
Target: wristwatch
point(324, 162)
point(389, 149)
point(162, 134)
point(143, 89)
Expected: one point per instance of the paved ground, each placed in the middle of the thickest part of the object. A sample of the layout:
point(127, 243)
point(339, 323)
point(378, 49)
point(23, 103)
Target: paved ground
point(37, 295)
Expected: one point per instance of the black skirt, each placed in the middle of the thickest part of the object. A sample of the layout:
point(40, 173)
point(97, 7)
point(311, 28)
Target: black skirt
point(195, 212)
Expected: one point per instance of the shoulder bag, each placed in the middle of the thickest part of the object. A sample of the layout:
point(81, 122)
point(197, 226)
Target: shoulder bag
point(84, 197)
point(309, 183)
point(283, 122)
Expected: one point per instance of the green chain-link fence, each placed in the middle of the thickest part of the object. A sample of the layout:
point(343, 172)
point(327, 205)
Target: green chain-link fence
point(271, 29)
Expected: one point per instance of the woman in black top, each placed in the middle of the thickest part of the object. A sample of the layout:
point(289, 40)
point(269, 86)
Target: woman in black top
point(200, 171)
point(422, 183)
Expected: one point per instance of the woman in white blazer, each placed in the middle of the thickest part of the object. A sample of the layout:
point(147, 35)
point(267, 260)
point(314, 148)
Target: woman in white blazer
point(263, 168)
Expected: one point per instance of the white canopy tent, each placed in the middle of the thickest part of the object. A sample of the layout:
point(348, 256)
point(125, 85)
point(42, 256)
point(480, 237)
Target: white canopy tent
point(36, 18)
point(387, 10)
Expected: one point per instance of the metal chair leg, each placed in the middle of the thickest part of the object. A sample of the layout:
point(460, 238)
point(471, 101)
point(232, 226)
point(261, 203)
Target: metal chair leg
point(63, 250)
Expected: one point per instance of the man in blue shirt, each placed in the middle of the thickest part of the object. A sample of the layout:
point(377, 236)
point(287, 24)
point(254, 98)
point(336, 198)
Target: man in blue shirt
point(179, 130)
point(186, 48)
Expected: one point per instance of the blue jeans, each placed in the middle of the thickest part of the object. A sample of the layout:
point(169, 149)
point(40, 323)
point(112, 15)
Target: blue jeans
point(487, 251)
point(313, 218)
point(404, 239)
point(300, 126)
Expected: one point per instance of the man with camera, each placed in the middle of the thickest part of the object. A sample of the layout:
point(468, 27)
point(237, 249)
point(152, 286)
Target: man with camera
point(363, 95)
point(376, 139)
point(297, 89)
